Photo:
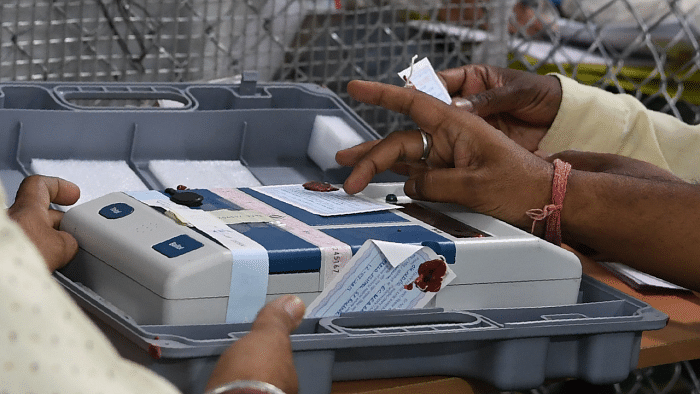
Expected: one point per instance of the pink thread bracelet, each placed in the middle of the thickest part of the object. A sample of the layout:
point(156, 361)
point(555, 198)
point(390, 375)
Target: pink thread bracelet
point(552, 212)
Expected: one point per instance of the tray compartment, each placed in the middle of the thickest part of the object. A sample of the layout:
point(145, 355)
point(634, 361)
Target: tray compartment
point(265, 127)
point(511, 348)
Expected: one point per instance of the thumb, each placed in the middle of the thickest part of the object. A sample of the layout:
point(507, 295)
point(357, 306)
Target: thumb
point(489, 102)
point(63, 247)
point(285, 314)
point(265, 353)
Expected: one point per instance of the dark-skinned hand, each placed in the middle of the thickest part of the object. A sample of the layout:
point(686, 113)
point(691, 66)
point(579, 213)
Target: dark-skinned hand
point(521, 104)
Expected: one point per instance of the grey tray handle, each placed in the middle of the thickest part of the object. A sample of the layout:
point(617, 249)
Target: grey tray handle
point(66, 94)
point(405, 321)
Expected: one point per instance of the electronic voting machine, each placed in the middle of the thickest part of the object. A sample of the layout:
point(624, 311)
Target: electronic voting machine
point(199, 256)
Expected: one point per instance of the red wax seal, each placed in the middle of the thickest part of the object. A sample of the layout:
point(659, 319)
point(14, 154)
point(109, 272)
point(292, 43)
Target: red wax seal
point(155, 351)
point(319, 186)
point(430, 276)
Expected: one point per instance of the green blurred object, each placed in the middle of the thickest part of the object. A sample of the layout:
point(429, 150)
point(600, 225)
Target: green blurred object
point(646, 80)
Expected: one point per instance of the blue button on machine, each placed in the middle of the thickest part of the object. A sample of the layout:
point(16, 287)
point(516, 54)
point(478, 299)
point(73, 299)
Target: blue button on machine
point(177, 246)
point(116, 210)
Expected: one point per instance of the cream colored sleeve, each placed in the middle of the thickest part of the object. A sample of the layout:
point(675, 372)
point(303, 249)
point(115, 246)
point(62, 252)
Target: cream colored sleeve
point(47, 344)
point(591, 119)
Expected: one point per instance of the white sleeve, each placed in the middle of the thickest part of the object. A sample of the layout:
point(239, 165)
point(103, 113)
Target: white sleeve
point(47, 344)
point(592, 119)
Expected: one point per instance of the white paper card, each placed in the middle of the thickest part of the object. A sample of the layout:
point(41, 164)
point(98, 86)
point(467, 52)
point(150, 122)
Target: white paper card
point(424, 78)
point(639, 278)
point(230, 216)
point(323, 203)
point(396, 253)
point(370, 283)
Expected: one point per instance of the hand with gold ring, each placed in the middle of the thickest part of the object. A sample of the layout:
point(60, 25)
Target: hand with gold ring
point(521, 104)
point(624, 216)
point(404, 164)
point(454, 157)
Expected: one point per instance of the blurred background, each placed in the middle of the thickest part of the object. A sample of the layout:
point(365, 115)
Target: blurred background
point(648, 48)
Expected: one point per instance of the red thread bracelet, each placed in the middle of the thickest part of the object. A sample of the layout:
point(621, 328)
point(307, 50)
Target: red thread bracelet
point(552, 212)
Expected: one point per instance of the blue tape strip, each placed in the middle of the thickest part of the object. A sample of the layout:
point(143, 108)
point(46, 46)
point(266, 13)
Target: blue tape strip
point(248, 285)
point(147, 195)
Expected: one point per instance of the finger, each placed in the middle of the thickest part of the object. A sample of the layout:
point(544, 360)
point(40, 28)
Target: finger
point(348, 157)
point(65, 247)
point(68, 245)
point(55, 218)
point(40, 191)
point(462, 80)
point(409, 168)
point(589, 161)
point(473, 84)
point(492, 101)
point(613, 164)
point(283, 314)
point(427, 111)
point(442, 81)
point(68, 193)
point(265, 353)
point(445, 125)
point(397, 147)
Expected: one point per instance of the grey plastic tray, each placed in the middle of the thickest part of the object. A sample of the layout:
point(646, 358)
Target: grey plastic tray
point(597, 339)
point(267, 127)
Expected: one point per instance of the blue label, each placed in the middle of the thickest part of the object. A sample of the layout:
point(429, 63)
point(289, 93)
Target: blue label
point(116, 210)
point(177, 246)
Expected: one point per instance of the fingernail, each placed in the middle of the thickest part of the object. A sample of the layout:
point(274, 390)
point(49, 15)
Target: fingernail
point(294, 306)
point(460, 102)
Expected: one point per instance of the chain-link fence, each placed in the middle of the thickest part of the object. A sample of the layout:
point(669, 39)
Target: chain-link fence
point(320, 41)
point(648, 48)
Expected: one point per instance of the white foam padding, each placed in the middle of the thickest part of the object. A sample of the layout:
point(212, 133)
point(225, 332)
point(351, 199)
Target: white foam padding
point(329, 135)
point(202, 174)
point(94, 177)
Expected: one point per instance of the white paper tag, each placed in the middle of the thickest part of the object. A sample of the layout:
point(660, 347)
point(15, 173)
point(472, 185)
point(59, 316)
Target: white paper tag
point(369, 282)
point(424, 78)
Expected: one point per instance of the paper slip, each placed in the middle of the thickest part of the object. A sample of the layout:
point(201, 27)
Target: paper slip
point(378, 277)
point(323, 203)
point(229, 216)
point(639, 280)
point(424, 78)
